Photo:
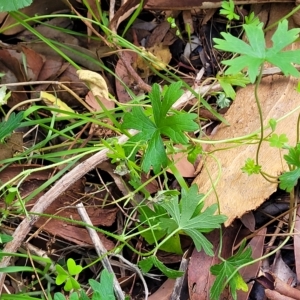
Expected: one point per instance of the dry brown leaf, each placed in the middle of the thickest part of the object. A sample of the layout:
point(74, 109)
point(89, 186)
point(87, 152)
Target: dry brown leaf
point(12, 144)
point(237, 192)
point(185, 168)
point(38, 7)
point(193, 4)
point(128, 81)
point(159, 55)
point(164, 292)
point(297, 243)
point(34, 63)
point(257, 244)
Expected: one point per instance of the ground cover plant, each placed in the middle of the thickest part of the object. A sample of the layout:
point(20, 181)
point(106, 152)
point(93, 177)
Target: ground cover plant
point(98, 147)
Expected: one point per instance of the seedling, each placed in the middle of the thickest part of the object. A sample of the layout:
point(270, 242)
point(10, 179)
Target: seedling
point(67, 276)
point(228, 10)
point(102, 290)
point(172, 125)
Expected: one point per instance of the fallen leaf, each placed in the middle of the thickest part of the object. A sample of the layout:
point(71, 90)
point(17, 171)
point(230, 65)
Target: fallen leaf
point(297, 243)
point(184, 167)
point(164, 292)
point(11, 145)
point(257, 244)
point(54, 102)
point(237, 192)
point(123, 75)
point(95, 81)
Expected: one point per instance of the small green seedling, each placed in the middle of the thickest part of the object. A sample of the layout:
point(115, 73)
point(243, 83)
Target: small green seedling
point(67, 276)
point(222, 100)
point(102, 290)
point(228, 10)
point(251, 167)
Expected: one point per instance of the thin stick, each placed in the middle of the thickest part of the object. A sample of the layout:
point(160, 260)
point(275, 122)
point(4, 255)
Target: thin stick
point(100, 249)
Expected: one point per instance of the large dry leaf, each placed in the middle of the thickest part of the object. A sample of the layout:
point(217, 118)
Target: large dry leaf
point(237, 192)
point(193, 4)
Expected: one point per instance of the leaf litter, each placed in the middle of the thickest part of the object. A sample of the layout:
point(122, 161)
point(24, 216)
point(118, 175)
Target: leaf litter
point(101, 205)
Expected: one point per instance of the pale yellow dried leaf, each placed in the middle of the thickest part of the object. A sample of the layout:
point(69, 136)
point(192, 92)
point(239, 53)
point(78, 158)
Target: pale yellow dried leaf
point(95, 82)
point(52, 101)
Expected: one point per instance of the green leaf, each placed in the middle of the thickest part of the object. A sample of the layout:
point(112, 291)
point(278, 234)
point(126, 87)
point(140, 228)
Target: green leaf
point(228, 10)
point(7, 127)
point(225, 269)
point(222, 101)
point(273, 124)
point(13, 5)
point(155, 154)
point(68, 284)
point(5, 238)
point(72, 267)
point(151, 218)
point(61, 278)
point(182, 217)
point(252, 19)
point(150, 132)
point(227, 81)
point(138, 120)
point(288, 180)
point(278, 141)
point(59, 296)
point(170, 96)
point(293, 157)
point(174, 125)
point(194, 152)
point(74, 296)
point(10, 195)
point(254, 53)
point(104, 287)
point(147, 263)
point(250, 167)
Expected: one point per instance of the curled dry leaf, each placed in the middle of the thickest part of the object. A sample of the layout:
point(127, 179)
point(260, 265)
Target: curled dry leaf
point(99, 92)
point(54, 102)
point(95, 81)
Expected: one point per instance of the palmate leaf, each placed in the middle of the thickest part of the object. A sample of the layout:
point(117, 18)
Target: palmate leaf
point(226, 268)
point(254, 53)
point(187, 217)
point(172, 126)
